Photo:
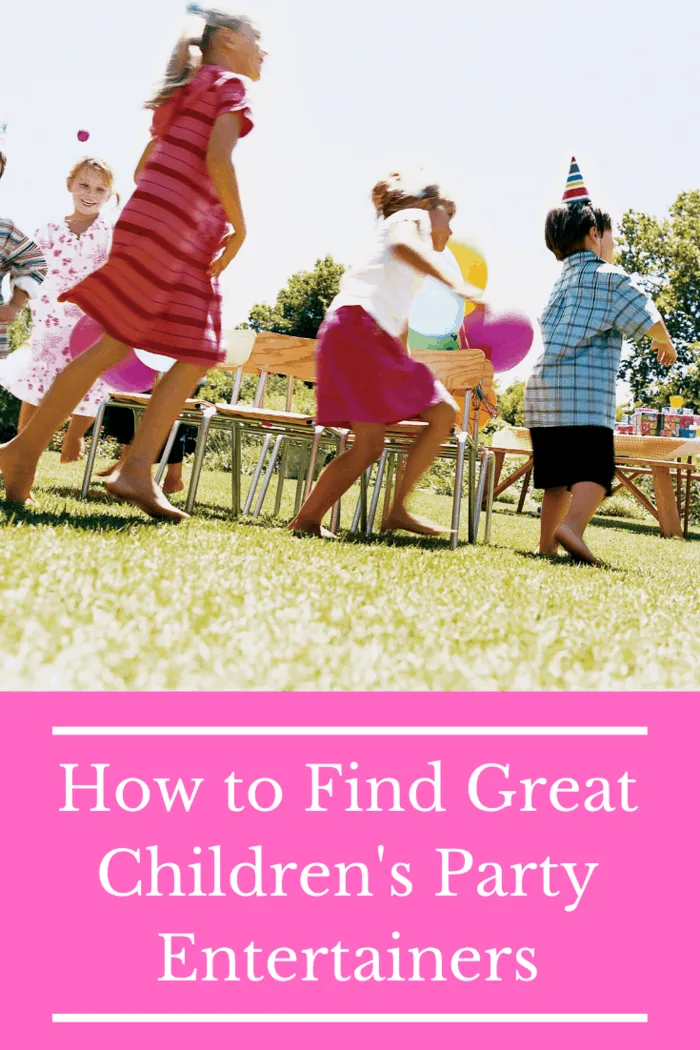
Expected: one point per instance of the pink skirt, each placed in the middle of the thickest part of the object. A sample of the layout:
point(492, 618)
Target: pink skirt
point(364, 375)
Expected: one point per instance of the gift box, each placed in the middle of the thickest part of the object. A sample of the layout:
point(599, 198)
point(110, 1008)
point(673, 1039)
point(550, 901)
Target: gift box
point(645, 421)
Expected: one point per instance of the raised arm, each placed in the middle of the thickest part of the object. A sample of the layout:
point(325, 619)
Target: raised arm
point(406, 246)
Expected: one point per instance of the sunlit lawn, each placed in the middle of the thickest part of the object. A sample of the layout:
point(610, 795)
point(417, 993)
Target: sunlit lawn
point(96, 597)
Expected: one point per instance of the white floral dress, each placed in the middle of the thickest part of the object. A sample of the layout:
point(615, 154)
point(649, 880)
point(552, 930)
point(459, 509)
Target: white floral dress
point(29, 372)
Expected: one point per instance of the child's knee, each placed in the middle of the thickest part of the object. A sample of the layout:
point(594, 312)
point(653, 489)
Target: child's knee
point(446, 414)
point(372, 449)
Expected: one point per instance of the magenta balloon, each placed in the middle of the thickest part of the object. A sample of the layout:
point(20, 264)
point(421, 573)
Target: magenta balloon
point(86, 333)
point(505, 336)
point(130, 376)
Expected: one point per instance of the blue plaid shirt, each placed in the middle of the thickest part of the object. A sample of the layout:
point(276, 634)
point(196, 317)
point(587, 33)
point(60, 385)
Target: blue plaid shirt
point(592, 307)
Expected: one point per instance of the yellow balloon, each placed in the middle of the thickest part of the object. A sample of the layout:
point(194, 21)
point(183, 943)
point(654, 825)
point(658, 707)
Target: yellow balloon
point(471, 264)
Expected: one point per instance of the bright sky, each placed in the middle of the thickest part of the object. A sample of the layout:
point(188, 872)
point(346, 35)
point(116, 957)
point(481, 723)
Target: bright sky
point(495, 99)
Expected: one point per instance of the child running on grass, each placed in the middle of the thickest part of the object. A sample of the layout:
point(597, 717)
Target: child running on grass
point(570, 396)
point(366, 378)
point(159, 289)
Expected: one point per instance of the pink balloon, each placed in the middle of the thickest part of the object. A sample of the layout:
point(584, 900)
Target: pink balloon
point(504, 336)
point(130, 376)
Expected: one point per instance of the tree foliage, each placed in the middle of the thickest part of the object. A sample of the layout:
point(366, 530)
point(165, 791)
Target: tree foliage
point(665, 254)
point(301, 305)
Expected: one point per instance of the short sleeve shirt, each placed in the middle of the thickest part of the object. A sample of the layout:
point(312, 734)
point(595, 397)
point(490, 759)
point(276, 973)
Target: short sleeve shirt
point(592, 307)
point(381, 284)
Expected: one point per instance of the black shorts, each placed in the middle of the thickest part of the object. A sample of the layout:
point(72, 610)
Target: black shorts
point(563, 456)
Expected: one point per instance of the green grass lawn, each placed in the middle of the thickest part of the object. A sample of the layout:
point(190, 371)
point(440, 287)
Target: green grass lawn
point(94, 596)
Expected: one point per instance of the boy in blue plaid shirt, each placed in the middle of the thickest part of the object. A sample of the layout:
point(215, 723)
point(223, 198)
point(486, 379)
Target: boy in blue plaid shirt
point(570, 396)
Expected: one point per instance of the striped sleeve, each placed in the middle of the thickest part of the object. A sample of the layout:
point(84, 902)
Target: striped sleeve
point(23, 259)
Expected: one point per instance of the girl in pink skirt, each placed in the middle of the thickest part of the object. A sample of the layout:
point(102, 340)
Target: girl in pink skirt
point(366, 378)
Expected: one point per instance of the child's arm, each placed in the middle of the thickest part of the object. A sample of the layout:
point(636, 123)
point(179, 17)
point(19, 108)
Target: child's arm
point(144, 159)
point(27, 270)
point(224, 137)
point(662, 344)
point(636, 315)
point(406, 246)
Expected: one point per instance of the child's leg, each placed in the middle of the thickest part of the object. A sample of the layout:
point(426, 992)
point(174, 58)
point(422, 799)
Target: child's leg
point(26, 411)
point(555, 504)
point(441, 418)
point(586, 497)
point(173, 479)
point(19, 457)
point(134, 482)
point(73, 444)
point(339, 475)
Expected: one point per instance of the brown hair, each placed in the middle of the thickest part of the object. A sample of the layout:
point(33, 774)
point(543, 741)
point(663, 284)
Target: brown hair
point(3, 164)
point(95, 164)
point(186, 57)
point(392, 194)
point(566, 227)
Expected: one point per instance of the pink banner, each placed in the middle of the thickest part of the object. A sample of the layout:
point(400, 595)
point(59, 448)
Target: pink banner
point(484, 870)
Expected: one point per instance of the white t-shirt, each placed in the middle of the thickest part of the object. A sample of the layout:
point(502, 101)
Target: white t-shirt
point(381, 284)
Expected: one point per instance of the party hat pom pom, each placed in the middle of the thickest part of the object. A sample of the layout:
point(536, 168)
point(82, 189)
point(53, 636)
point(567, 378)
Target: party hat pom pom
point(83, 136)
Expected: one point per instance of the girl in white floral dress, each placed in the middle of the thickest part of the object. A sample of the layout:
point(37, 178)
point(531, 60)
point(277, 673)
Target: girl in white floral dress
point(73, 248)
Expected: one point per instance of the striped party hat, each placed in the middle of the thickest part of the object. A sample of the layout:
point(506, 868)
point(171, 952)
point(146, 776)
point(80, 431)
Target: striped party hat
point(575, 188)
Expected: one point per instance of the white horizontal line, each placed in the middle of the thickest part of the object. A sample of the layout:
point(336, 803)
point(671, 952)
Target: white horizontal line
point(349, 731)
point(350, 1018)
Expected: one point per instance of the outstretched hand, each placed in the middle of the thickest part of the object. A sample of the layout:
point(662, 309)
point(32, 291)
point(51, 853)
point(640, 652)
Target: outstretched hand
point(665, 353)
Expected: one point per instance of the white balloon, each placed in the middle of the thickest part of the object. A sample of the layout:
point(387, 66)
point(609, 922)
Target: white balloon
point(436, 309)
point(239, 344)
point(157, 362)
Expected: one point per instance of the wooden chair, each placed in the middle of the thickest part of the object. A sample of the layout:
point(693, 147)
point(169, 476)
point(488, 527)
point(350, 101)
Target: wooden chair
point(273, 354)
point(469, 377)
point(196, 412)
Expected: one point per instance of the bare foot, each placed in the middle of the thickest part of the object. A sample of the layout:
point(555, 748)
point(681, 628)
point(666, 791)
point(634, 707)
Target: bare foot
point(173, 486)
point(311, 528)
point(548, 550)
point(401, 519)
point(144, 495)
point(574, 544)
point(17, 475)
point(72, 450)
point(110, 470)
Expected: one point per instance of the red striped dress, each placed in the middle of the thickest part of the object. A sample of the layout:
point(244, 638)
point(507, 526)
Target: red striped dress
point(154, 292)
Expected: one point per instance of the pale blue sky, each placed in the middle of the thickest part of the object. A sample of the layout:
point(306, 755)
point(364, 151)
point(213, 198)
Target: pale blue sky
point(494, 98)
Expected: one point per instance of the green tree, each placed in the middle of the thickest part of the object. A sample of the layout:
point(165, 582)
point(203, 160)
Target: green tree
point(302, 304)
point(665, 253)
point(512, 402)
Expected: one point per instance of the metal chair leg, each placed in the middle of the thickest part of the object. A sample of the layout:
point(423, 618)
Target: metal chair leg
point(198, 461)
point(491, 484)
point(162, 466)
point(335, 513)
point(268, 476)
point(256, 476)
point(236, 467)
point(318, 431)
point(92, 454)
point(375, 494)
point(301, 476)
point(282, 477)
point(391, 474)
point(479, 495)
point(359, 519)
point(459, 483)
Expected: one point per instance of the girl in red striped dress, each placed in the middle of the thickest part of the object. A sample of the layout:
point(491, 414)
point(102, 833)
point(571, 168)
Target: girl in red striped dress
point(159, 289)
